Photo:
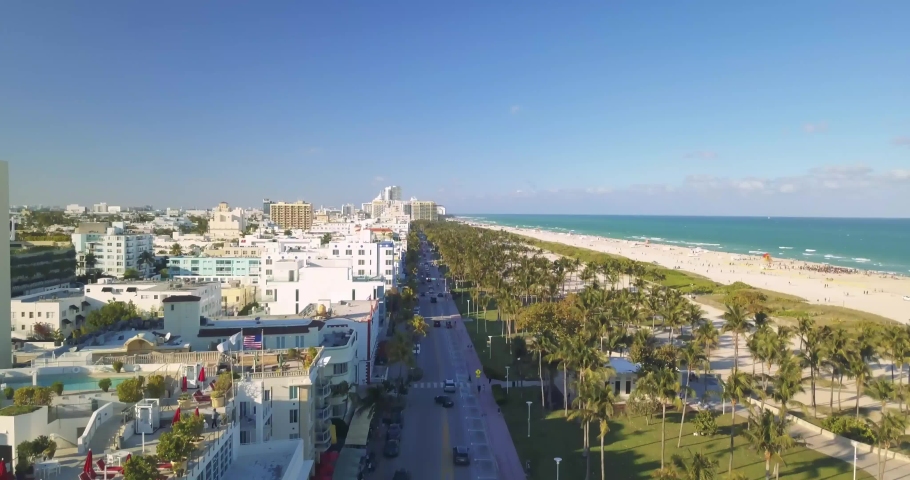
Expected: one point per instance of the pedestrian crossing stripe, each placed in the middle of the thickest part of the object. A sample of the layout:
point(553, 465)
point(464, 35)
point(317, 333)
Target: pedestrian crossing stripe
point(438, 385)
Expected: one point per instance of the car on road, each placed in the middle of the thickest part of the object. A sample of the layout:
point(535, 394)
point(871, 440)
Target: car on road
point(395, 417)
point(393, 432)
point(423, 294)
point(444, 400)
point(432, 299)
point(440, 295)
point(417, 349)
point(391, 449)
point(449, 386)
point(401, 474)
point(461, 456)
point(437, 323)
point(417, 310)
point(448, 324)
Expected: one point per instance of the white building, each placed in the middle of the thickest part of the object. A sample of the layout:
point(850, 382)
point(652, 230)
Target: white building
point(149, 296)
point(6, 358)
point(114, 209)
point(99, 208)
point(58, 309)
point(114, 250)
point(75, 209)
point(440, 210)
point(347, 209)
point(227, 223)
point(292, 283)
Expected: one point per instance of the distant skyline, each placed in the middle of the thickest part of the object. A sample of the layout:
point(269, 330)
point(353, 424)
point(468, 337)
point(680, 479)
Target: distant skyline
point(708, 108)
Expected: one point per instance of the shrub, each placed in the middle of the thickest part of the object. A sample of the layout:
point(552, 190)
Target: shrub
point(499, 395)
point(57, 387)
point(104, 384)
point(155, 387)
point(143, 467)
point(130, 391)
point(33, 396)
point(118, 366)
point(850, 427)
point(493, 373)
point(8, 393)
point(189, 426)
point(223, 382)
point(705, 423)
point(174, 448)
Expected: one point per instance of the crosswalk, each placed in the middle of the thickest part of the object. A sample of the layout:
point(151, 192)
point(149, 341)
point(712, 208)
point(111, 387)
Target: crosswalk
point(438, 385)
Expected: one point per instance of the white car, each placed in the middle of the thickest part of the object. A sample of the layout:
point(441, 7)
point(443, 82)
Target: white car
point(417, 349)
point(449, 386)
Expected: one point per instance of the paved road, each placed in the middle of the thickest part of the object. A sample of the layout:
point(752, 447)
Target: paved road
point(431, 431)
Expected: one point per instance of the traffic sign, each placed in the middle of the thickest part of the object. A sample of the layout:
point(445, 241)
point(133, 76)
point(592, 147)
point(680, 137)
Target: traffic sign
point(477, 372)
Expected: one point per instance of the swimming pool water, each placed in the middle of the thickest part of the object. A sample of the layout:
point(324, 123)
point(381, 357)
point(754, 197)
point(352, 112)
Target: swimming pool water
point(71, 383)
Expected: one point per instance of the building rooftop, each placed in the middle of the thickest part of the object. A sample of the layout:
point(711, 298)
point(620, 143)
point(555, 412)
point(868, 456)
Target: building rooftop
point(330, 262)
point(358, 310)
point(337, 338)
point(270, 461)
point(50, 296)
point(621, 365)
point(267, 324)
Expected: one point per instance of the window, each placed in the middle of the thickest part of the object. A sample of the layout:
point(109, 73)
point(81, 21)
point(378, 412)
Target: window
point(361, 252)
point(388, 272)
point(244, 437)
point(360, 272)
point(23, 315)
point(50, 314)
point(388, 262)
point(297, 295)
point(293, 392)
point(361, 262)
point(347, 252)
point(279, 342)
point(266, 395)
point(298, 341)
point(31, 315)
point(335, 252)
point(339, 368)
point(268, 261)
point(294, 436)
point(293, 416)
point(39, 314)
point(172, 308)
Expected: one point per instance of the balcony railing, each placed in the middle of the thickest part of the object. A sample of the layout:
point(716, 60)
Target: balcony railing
point(322, 438)
point(324, 413)
point(323, 390)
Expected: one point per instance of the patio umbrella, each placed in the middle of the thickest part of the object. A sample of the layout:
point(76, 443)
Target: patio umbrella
point(129, 456)
point(183, 384)
point(88, 468)
point(202, 374)
point(176, 416)
point(3, 472)
point(197, 411)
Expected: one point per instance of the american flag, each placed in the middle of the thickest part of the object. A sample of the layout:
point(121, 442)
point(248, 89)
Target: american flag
point(252, 341)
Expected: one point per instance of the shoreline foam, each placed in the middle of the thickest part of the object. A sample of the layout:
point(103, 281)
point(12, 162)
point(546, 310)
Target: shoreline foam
point(864, 290)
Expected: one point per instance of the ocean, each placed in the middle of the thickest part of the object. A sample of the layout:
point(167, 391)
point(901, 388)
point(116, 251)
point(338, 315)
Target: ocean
point(863, 243)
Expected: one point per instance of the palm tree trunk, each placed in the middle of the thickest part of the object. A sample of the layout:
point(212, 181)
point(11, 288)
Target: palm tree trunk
point(587, 451)
point(543, 397)
point(767, 467)
point(858, 383)
point(831, 400)
point(732, 432)
point(565, 390)
point(812, 375)
point(683, 419)
point(663, 432)
point(735, 359)
point(840, 381)
point(603, 468)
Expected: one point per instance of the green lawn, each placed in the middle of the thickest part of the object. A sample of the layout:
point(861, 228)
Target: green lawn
point(480, 330)
point(633, 448)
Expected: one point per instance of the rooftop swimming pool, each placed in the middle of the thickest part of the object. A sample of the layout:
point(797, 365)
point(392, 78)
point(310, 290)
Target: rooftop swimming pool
point(71, 383)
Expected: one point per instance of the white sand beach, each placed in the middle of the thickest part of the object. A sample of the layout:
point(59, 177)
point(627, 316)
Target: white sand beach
point(871, 292)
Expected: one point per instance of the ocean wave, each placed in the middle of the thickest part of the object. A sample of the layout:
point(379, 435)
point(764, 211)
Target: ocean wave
point(832, 256)
point(808, 254)
point(757, 252)
point(861, 260)
point(785, 248)
point(810, 250)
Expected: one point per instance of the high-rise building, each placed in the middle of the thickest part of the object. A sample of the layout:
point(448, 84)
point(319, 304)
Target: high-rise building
point(227, 223)
point(266, 206)
point(292, 216)
point(367, 208)
point(347, 209)
point(6, 354)
point(423, 210)
point(390, 193)
point(378, 207)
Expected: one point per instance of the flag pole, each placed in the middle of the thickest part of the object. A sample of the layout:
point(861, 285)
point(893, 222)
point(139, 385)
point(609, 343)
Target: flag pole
point(262, 350)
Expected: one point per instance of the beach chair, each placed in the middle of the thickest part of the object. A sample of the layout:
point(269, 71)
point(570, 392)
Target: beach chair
point(111, 468)
point(198, 397)
point(94, 474)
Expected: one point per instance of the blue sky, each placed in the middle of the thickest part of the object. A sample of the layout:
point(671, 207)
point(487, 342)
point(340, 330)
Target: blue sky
point(747, 108)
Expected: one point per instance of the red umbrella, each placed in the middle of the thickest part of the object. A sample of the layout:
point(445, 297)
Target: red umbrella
point(202, 374)
point(3, 472)
point(197, 411)
point(88, 468)
point(183, 384)
point(129, 456)
point(176, 417)
point(328, 469)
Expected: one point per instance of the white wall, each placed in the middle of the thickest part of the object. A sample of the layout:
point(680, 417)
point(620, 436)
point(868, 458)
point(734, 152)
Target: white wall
point(150, 301)
point(314, 284)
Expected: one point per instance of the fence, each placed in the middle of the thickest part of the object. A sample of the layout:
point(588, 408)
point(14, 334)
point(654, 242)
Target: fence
point(100, 416)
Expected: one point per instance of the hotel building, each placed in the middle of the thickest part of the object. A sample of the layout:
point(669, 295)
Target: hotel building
point(423, 210)
point(292, 216)
point(150, 296)
point(227, 223)
point(114, 250)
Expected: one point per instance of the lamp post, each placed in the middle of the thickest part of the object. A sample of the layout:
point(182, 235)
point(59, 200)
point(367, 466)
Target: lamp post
point(854, 460)
point(490, 340)
point(507, 378)
point(557, 459)
point(529, 418)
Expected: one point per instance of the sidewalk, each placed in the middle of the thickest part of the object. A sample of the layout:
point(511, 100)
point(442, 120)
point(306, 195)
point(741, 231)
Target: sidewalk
point(507, 461)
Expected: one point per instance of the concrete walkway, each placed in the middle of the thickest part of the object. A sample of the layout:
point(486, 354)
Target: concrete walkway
point(507, 461)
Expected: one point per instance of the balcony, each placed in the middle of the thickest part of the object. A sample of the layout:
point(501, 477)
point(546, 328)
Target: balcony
point(322, 438)
point(323, 388)
point(324, 413)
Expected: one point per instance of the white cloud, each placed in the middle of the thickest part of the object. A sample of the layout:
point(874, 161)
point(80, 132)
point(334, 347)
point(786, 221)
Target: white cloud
point(901, 141)
point(819, 127)
point(515, 109)
point(702, 155)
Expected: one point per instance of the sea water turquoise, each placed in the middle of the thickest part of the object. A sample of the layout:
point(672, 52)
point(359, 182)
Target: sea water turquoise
point(863, 243)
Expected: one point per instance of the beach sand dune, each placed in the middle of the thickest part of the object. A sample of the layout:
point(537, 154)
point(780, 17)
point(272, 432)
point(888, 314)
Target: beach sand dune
point(871, 292)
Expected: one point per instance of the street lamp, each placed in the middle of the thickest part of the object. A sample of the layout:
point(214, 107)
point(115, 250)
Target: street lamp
point(854, 459)
point(557, 459)
point(507, 379)
point(490, 340)
point(529, 418)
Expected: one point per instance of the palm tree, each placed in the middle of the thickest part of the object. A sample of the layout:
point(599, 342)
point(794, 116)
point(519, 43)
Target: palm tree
point(562, 355)
point(887, 432)
point(602, 407)
point(858, 370)
point(882, 390)
point(788, 382)
point(736, 322)
point(814, 354)
point(418, 326)
point(768, 435)
point(146, 258)
point(176, 250)
point(586, 397)
point(737, 388)
point(692, 355)
point(662, 384)
point(708, 336)
point(699, 466)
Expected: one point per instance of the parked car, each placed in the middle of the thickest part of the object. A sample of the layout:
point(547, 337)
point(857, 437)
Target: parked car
point(432, 299)
point(437, 323)
point(444, 400)
point(391, 449)
point(448, 324)
point(449, 386)
point(393, 432)
point(440, 295)
point(461, 456)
